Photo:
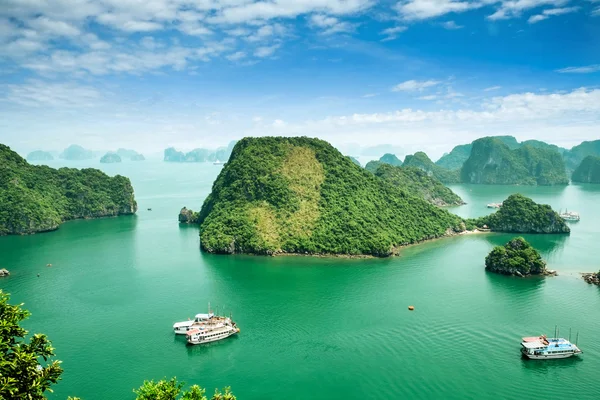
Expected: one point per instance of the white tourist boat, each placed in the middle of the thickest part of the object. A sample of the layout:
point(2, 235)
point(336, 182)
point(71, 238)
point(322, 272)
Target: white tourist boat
point(207, 335)
point(494, 205)
point(570, 216)
point(181, 328)
point(543, 348)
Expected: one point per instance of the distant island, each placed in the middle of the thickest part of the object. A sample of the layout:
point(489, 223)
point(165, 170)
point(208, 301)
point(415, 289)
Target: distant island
point(516, 257)
point(355, 161)
point(76, 152)
point(299, 195)
point(575, 156)
point(390, 159)
point(130, 154)
point(588, 171)
point(493, 162)
point(520, 214)
point(418, 182)
point(39, 198)
point(110, 158)
point(422, 161)
point(459, 154)
point(39, 155)
point(199, 155)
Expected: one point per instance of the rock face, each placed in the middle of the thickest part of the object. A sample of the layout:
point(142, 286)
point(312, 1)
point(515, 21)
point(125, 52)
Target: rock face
point(300, 195)
point(39, 198)
point(493, 162)
point(517, 257)
point(576, 155)
point(459, 154)
point(187, 216)
point(76, 152)
point(588, 171)
point(418, 182)
point(520, 214)
point(110, 158)
point(422, 161)
point(592, 278)
point(39, 155)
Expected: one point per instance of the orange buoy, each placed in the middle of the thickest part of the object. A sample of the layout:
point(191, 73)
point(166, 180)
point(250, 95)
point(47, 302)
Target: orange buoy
point(411, 308)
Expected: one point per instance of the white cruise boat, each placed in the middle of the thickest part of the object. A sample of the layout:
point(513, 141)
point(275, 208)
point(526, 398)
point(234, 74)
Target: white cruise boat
point(204, 335)
point(494, 205)
point(543, 348)
point(570, 216)
point(181, 328)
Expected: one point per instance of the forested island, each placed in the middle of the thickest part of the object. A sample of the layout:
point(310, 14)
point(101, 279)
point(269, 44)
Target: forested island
point(588, 171)
point(516, 257)
point(76, 152)
point(420, 183)
point(493, 162)
point(110, 158)
point(520, 214)
point(199, 155)
point(422, 161)
point(39, 198)
point(575, 156)
point(39, 155)
point(299, 195)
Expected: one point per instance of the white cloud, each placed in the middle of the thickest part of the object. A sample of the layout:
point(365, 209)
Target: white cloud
point(425, 9)
point(392, 33)
point(265, 51)
point(54, 28)
point(596, 12)
point(279, 123)
point(413, 85)
point(331, 25)
point(429, 97)
point(265, 32)
point(491, 88)
point(238, 55)
point(368, 95)
point(36, 93)
point(514, 8)
point(451, 25)
point(550, 12)
point(580, 70)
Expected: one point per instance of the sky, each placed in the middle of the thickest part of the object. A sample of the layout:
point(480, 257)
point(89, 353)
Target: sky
point(367, 76)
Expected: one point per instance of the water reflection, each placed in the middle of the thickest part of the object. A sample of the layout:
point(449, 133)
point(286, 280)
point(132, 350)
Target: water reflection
point(549, 245)
point(543, 367)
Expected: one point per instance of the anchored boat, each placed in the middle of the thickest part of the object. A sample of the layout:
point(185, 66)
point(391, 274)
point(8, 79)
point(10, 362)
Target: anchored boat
point(203, 321)
point(207, 335)
point(570, 216)
point(494, 205)
point(543, 348)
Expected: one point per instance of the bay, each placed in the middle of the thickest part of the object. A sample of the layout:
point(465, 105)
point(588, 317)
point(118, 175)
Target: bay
point(310, 327)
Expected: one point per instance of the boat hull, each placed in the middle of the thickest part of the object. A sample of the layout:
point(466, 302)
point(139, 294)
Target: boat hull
point(194, 340)
point(548, 356)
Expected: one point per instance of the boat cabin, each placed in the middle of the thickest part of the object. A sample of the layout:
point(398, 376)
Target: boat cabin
point(203, 317)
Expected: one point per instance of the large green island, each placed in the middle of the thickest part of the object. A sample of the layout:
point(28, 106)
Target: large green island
point(39, 198)
point(588, 171)
point(302, 196)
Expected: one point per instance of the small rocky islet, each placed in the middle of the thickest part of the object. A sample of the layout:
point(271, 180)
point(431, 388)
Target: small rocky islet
point(518, 258)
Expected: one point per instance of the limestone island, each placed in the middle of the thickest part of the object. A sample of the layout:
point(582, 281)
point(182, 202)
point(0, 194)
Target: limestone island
point(39, 198)
point(130, 154)
point(516, 257)
point(76, 152)
point(110, 158)
point(520, 214)
point(588, 171)
point(39, 155)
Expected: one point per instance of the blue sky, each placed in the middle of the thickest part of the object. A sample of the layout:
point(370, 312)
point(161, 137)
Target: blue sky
point(417, 74)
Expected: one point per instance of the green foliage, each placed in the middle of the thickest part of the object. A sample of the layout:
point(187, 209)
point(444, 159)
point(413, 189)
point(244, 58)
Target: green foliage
point(76, 152)
point(390, 159)
point(459, 154)
point(493, 162)
point(39, 198)
point(300, 195)
point(576, 155)
point(21, 374)
point(520, 214)
point(110, 157)
point(588, 171)
point(172, 390)
point(355, 161)
point(543, 145)
point(372, 166)
point(516, 257)
point(421, 160)
point(39, 155)
point(416, 181)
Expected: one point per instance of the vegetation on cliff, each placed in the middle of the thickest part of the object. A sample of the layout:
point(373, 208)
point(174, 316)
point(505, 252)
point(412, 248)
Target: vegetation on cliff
point(355, 161)
point(459, 154)
point(588, 171)
point(39, 198)
point(300, 195)
point(110, 158)
point(39, 155)
point(76, 152)
point(390, 159)
point(372, 166)
point(416, 181)
point(516, 257)
point(575, 156)
point(493, 162)
point(520, 214)
point(422, 161)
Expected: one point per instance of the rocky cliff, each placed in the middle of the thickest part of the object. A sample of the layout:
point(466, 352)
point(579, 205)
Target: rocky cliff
point(588, 171)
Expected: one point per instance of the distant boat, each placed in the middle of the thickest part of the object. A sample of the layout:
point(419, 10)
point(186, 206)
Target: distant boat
point(149, 209)
point(570, 215)
point(218, 162)
point(543, 348)
point(494, 205)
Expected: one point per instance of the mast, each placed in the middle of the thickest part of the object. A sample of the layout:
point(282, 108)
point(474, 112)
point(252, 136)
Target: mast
point(577, 339)
point(555, 331)
point(569, 334)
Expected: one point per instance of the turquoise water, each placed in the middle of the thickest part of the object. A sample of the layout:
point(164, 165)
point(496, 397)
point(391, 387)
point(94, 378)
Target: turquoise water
point(310, 327)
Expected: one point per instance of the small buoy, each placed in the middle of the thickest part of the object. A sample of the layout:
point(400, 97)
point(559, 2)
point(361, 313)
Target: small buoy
point(38, 275)
point(48, 265)
point(411, 308)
